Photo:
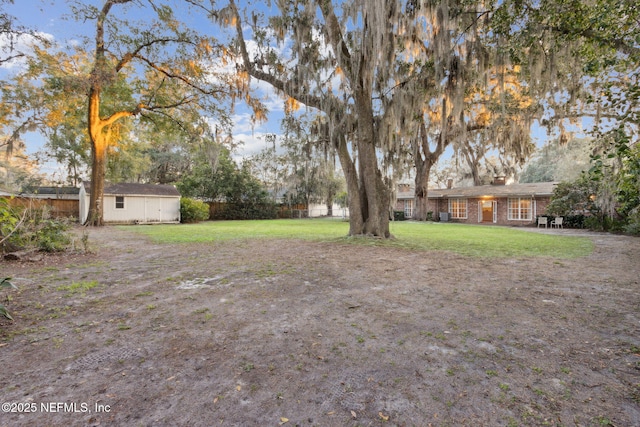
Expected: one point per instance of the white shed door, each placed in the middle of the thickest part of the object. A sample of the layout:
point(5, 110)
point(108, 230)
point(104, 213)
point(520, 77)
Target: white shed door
point(153, 209)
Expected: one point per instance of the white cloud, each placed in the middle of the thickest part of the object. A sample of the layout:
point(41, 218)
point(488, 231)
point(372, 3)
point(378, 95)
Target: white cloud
point(252, 144)
point(242, 123)
point(14, 45)
point(252, 137)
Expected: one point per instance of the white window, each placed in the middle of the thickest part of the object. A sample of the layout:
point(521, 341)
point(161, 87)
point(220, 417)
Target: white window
point(119, 202)
point(519, 209)
point(458, 208)
point(408, 208)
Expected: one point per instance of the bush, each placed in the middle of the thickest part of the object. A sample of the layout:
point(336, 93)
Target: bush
point(633, 222)
point(5, 283)
point(52, 236)
point(398, 216)
point(192, 210)
point(249, 210)
point(574, 221)
point(27, 227)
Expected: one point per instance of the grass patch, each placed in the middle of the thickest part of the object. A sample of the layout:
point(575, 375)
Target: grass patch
point(220, 231)
point(470, 240)
point(79, 287)
point(488, 241)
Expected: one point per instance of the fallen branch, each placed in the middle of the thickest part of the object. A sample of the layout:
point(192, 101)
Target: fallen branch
point(30, 255)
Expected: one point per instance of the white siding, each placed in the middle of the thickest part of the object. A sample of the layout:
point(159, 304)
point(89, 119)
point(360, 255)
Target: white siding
point(137, 209)
point(83, 205)
point(142, 209)
point(318, 210)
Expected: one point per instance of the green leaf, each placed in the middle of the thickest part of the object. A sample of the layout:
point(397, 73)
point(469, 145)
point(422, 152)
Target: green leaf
point(5, 283)
point(5, 313)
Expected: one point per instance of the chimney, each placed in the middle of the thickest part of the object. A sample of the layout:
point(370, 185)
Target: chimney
point(499, 180)
point(449, 184)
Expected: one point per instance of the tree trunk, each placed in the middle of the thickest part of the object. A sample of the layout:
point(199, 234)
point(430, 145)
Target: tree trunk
point(356, 221)
point(376, 215)
point(424, 161)
point(98, 159)
point(474, 165)
point(96, 199)
point(475, 173)
point(473, 160)
point(330, 206)
point(423, 172)
point(422, 182)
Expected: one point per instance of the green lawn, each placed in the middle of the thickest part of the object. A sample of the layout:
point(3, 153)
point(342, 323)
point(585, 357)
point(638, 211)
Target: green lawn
point(472, 240)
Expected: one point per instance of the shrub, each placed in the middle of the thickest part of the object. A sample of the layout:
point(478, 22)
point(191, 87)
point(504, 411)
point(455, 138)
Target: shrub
point(398, 216)
point(27, 227)
point(52, 236)
point(574, 221)
point(249, 210)
point(5, 283)
point(571, 197)
point(192, 210)
point(633, 222)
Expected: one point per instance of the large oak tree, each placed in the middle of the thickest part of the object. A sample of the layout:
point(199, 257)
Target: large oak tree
point(391, 79)
point(337, 61)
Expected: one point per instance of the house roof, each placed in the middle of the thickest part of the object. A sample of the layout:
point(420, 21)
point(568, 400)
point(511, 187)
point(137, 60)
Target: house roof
point(56, 190)
point(136, 189)
point(528, 189)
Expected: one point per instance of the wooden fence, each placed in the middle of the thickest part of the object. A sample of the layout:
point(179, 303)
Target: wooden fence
point(58, 208)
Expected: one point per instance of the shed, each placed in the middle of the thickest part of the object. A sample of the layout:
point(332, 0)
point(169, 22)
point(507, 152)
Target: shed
point(133, 203)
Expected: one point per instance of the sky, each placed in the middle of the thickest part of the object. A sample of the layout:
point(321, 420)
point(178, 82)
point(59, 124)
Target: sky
point(53, 19)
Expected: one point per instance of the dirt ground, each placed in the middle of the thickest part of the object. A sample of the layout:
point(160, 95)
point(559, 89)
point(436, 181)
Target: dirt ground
point(269, 333)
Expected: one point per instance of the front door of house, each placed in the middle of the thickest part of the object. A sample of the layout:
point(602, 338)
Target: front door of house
point(487, 211)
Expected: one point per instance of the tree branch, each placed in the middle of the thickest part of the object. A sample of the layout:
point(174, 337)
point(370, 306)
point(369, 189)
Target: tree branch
point(135, 53)
point(617, 43)
point(278, 84)
point(343, 56)
point(175, 76)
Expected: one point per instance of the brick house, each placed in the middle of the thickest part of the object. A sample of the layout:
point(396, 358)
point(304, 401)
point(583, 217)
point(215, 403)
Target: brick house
point(515, 204)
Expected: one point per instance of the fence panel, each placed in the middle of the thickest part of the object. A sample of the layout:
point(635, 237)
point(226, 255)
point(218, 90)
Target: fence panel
point(58, 208)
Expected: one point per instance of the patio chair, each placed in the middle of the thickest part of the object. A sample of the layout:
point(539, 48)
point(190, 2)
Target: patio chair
point(542, 220)
point(557, 222)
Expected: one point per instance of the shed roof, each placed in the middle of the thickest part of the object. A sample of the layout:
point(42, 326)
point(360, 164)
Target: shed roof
point(528, 189)
point(136, 189)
